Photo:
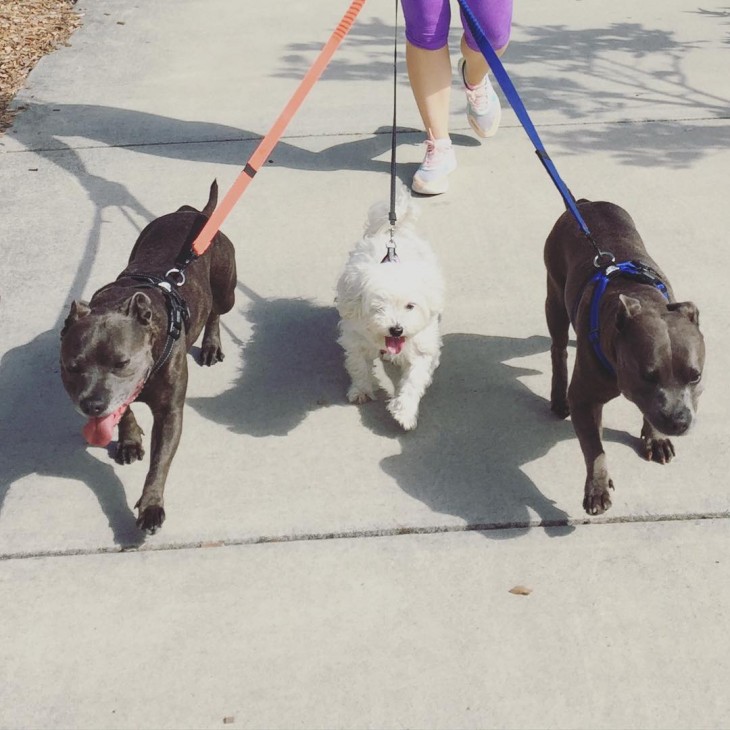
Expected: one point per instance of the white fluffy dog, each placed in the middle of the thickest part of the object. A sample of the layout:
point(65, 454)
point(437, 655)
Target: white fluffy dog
point(391, 310)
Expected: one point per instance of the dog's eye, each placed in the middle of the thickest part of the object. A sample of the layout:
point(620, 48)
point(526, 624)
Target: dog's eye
point(694, 377)
point(651, 376)
point(410, 306)
point(121, 364)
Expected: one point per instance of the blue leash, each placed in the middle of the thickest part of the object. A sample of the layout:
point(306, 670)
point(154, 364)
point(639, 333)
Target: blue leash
point(515, 102)
point(604, 261)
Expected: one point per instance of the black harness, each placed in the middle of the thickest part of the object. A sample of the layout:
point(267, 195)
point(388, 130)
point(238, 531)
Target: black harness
point(178, 313)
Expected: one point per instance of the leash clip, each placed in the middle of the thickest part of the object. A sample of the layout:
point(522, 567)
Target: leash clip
point(391, 256)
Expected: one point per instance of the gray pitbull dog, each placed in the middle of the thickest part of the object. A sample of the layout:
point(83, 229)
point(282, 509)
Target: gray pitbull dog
point(128, 343)
point(634, 339)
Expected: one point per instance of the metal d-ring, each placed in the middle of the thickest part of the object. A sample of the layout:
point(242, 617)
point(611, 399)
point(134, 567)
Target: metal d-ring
point(176, 276)
point(391, 256)
point(610, 259)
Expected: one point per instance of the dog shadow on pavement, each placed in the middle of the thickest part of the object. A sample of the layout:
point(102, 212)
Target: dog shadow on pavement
point(41, 434)
point(292, 365)
point(478, 427)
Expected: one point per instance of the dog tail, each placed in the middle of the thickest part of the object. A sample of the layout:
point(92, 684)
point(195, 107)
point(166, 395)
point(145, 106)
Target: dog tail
point(406, 211)
point(212, 200)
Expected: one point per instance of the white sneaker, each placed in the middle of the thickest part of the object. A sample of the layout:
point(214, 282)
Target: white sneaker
point(483, 109)
point(432, 177)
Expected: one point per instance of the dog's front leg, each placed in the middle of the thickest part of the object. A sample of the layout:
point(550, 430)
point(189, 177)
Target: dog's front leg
point(558, 324)
point(129, 443)
point(656, 446)
point(167, 411)
point(359, 366)
point(211, 351)
point(586, 417)
point(416, 378)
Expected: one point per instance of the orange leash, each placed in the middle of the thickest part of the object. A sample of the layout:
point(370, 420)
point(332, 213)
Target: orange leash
point(268, 143)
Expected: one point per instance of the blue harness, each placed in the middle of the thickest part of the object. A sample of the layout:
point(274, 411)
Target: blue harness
point(633, 270)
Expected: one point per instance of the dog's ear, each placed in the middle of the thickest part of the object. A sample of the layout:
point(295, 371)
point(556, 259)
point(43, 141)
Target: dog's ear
point(139, 306)
point(629, 308)
point(78, 310)
point(687, 309)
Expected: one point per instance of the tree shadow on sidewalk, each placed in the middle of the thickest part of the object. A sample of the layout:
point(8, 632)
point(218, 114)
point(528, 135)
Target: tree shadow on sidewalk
point(39, 428)
point(41, 434)
point(44, 127)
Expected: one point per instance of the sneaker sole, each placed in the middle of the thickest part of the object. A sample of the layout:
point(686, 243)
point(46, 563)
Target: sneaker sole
point(435, 187)
point(488, 132)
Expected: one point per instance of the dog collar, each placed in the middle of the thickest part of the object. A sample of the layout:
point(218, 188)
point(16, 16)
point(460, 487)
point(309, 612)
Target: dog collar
point(600, 280)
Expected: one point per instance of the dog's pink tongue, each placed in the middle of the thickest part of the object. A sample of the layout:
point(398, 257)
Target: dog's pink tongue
point(394, 344)
point(100, 431)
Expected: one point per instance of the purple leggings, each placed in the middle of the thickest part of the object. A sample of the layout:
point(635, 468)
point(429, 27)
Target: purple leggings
point(428, 21)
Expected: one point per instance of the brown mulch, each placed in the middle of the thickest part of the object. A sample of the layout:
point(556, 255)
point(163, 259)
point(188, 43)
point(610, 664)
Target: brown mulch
point(29, 29)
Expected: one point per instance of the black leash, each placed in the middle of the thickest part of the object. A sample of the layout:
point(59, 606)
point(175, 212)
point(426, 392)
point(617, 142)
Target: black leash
point(391, 255)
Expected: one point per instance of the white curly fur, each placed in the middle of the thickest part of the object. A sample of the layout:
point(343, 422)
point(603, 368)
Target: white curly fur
point(374, 299)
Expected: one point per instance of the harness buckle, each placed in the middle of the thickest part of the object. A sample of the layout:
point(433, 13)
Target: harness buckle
point(609, 258)
point(176, 276)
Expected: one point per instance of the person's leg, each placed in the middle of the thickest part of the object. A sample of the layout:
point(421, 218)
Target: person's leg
point(483, 108)
point(495, 19)
point(429, 72)
point(476, 67)
point(430, 75)
point(428, 61)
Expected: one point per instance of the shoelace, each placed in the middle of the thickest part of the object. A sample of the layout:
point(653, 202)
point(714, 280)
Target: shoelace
point(433, 156)
point(478, 97)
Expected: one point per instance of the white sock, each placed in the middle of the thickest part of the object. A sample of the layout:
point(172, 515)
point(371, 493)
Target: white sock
point(442, 143)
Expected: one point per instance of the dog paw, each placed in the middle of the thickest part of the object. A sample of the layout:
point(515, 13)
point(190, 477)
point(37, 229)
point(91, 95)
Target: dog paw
point(560, 408)
point(151, 518)
point(406, 415)
point(210, 354)
point(128, 452)
point(358, 396)
point(660, 450)
point(597, 499)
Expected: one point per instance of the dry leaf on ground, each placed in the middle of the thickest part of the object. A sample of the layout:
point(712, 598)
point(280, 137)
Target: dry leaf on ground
point(29, 29)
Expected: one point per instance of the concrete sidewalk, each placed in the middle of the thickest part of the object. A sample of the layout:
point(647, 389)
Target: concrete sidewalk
point(318, 567)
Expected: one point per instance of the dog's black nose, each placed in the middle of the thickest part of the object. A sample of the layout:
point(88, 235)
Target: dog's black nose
point(676, 422)
point(396, 331)
point(92, 406)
